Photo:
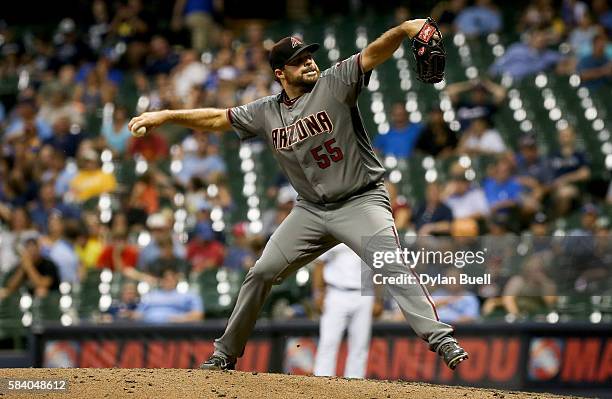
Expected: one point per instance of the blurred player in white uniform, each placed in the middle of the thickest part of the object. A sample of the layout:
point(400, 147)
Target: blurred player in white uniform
point(337, 292)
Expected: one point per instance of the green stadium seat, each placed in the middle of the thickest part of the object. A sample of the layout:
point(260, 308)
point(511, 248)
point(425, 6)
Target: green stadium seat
point(47, 308)
point(87, 294)
point(11, 327)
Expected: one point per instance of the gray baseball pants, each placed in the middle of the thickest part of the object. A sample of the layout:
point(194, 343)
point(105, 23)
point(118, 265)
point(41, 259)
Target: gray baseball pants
point(365, 224)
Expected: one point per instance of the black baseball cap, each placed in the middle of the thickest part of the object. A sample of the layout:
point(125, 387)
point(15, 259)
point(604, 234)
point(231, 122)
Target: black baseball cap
point(287, 49)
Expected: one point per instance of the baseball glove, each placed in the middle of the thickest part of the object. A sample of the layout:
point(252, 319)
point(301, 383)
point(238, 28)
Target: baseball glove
point(429, 54)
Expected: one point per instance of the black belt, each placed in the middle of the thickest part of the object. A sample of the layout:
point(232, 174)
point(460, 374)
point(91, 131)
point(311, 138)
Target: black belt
point(343, 288)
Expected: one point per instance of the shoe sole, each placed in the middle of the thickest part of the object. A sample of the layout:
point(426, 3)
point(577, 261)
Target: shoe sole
point(215, 368)
point(452, 364)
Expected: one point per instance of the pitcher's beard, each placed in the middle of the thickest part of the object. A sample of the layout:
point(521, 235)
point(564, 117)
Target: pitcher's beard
point(300, 82)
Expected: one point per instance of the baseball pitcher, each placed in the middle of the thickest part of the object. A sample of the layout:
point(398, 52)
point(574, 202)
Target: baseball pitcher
point(317, 135)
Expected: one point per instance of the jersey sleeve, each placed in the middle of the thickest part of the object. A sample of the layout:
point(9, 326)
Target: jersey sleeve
point(247, 119)
point(346, 79)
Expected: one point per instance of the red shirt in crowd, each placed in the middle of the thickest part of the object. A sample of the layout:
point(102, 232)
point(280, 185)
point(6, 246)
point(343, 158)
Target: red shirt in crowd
point(129, 256)
point(152, 147)
point(205, 254)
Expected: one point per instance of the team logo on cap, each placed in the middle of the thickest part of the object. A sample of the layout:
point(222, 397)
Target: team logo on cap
point(295, 42)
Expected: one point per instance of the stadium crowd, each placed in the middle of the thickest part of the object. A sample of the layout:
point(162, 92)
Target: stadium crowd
point(67, 98)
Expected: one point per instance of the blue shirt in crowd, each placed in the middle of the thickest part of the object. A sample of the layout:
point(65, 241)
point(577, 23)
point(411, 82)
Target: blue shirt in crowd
point(200, 166)
point(501, 191)
point(63, 255)
point(562, 164)
point(160, 306)
point(521, 60)
point(399, 143)
point(466, 305)
point(591, 62)
point(118, 141)
point(478, 20)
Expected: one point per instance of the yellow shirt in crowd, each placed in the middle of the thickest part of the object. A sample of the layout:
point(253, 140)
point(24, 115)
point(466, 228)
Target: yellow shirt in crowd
point(91, 183)
point(90, 252)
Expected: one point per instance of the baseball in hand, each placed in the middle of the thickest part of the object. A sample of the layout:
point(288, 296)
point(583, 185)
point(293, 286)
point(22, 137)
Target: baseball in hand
point(141, 131)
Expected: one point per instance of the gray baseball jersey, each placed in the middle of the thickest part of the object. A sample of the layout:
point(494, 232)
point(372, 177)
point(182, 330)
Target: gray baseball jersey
point(319, 138)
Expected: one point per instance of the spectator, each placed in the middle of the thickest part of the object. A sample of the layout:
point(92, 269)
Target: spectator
point(104, 69)
point(153, 148)
point(168, 305)
point(204, 251)
point(91, 181)
point(540, 231)
point(60, 245)
point(466, 201)
point(570, 168)
point(197, 15)
point(400, 208)
point(596, 69)
point(601, 8)
point(533, 172)
point(484, 99)
point(539, 15)
point(161, 59)
point(454, 303)
point(205, 162)
point(433, 217)
point(240, 256)
point(437, 139)
point(63, 138)
point(160, 227)
point(572, 12)
point(38, 273)
point(500, 225)
point(531, 291)
point(56, 105)
point(25, 119)
point(61, 171)
point(481, 139)
point(120, 256)
point(89, 246)
point(69, 49)
point(479, 19)
point(401, 139)
point(101, 25)
point(502, 189)
point(115, 131)
point(524, 59)
point(145, 195)
point(445, 13)
point(48, 203)
point(19, 226)
point(584, 33)
point(129, 25)
point(188, 73)
point(588, 221)
point(125, 307)
point(165, 260)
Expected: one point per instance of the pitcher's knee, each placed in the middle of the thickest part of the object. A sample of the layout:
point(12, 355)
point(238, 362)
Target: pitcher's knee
point(263, 272)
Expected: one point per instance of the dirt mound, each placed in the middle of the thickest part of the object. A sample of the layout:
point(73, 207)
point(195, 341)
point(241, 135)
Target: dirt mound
point(173, 383)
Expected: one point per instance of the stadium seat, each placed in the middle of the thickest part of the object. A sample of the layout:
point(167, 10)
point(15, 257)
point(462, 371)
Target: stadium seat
point(11, 327)
point(46, 309)
point(87, 294)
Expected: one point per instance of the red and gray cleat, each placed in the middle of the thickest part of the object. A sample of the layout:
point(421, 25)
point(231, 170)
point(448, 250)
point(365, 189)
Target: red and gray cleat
point(218, 362)
point(452, 354)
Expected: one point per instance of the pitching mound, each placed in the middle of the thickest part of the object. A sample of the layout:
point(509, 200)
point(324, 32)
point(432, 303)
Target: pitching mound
point(173, 383)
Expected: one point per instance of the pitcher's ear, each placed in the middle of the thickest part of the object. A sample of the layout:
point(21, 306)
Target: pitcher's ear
point(278, 73)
